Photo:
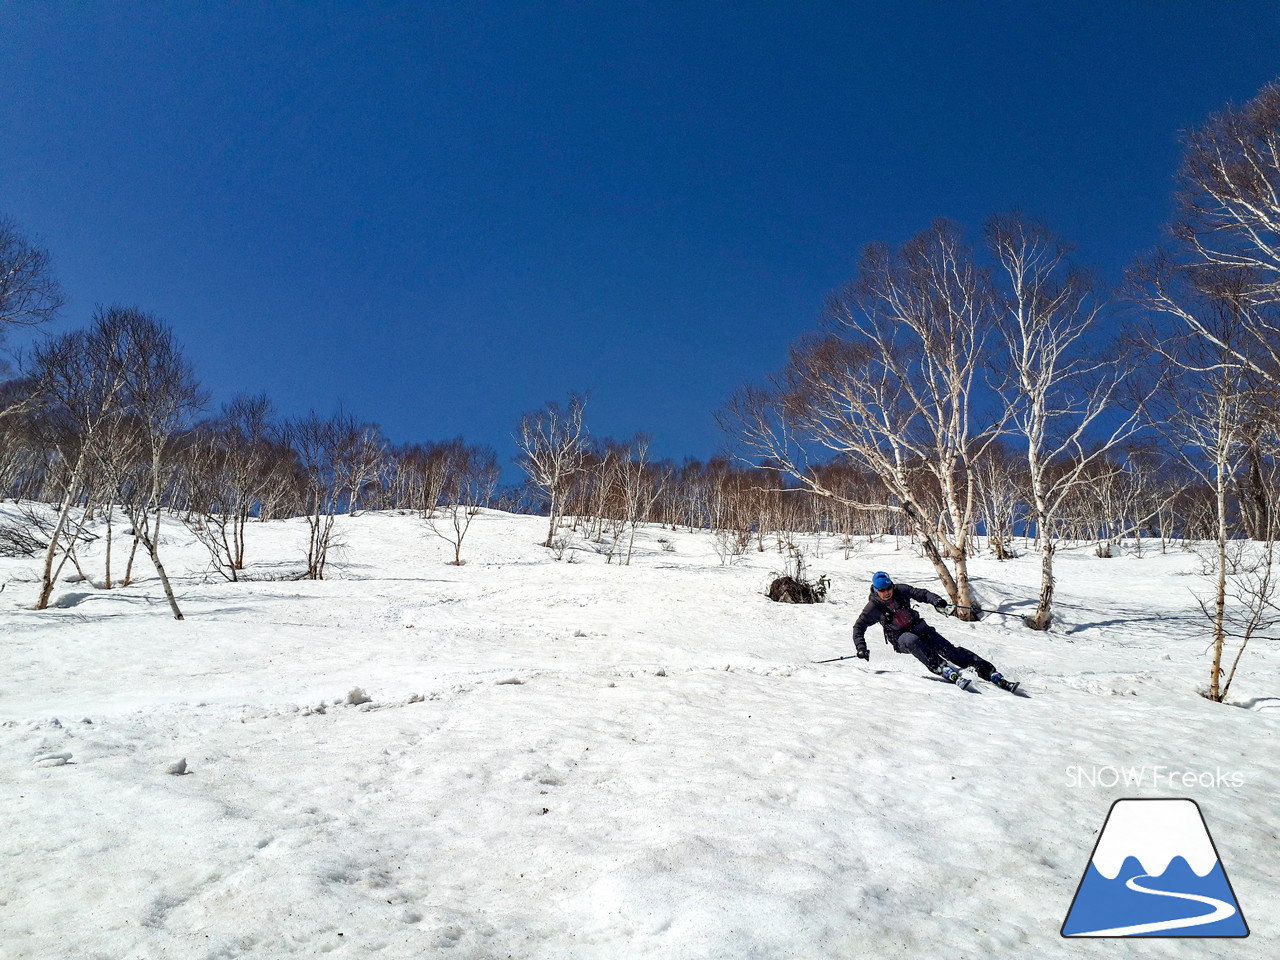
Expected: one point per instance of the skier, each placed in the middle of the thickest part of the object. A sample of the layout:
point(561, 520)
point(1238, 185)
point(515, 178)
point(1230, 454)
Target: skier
point(906, 632)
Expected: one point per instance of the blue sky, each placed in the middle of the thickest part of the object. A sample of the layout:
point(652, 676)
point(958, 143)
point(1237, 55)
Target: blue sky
point(443, 214)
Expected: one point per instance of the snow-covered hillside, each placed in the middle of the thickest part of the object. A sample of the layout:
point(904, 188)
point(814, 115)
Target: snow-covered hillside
point(582, 760)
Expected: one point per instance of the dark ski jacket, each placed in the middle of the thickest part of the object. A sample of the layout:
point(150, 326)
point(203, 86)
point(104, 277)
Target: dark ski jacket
point(895, 615)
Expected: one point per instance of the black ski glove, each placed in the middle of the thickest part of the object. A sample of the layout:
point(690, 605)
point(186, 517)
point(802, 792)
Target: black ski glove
point(863, 654)
point(945, 608)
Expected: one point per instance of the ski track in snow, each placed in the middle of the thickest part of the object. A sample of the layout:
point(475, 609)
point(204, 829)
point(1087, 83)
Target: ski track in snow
point(583, 760)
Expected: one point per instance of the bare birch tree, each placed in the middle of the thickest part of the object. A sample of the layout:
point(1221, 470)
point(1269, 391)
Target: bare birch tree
point(472, 476)
point(890, 386)
point(1001, 484)
point(1229, 215)
point(1228, 225)
point(234, 462)
point(29, 293)
point(316, 444)
point(553, 444)
point(641, 487)
point(359, 458)
point(1224, 288)
point(1056, 390)
point(1210, 405)
point(82, 377)
point(116, 464)
point(163, 397)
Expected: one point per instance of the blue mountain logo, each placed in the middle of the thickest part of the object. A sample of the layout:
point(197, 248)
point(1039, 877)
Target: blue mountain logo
point(1155, 873)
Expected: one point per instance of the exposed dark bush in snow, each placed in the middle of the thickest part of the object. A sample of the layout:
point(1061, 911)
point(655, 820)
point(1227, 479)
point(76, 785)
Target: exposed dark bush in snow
point(791, 590)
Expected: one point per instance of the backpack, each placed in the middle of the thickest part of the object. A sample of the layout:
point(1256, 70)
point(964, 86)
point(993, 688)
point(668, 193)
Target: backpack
point(901, 619)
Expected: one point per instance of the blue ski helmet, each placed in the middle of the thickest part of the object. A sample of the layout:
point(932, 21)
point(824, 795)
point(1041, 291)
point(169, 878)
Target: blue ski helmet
point(881, 581)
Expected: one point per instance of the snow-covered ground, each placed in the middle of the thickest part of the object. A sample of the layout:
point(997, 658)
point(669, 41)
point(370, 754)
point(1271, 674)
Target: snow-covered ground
point(585, 760)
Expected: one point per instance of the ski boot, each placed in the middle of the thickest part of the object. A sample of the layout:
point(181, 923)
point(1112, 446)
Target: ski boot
point(999, 680)
point(952, 675)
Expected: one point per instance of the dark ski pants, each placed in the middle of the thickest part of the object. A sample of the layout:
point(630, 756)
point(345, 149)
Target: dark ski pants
point(931, 648)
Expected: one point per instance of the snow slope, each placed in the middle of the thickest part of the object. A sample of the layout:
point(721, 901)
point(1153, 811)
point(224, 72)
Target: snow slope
point(584, 760)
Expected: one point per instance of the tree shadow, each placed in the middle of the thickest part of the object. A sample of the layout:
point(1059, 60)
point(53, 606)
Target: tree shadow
point(1260, 704)
point(1128, 621)
point(69, 600)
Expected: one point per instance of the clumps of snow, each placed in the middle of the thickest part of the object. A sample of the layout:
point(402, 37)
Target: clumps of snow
point(159, 909)
point(448, 936)
point(510, 681)
point(356, 696)
point(178, 768)
point(546, 776)
point(1106, 684)
point(660, 672)
point(52, 759)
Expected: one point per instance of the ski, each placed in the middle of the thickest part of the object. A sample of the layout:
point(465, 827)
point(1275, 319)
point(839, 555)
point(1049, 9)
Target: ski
point(1004, 683)
point(951, 673)
point(963, 683)
point(948, 672)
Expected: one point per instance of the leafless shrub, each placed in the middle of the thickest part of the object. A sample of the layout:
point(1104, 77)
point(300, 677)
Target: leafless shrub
point(731, 545)
point(232, 465)
point(472, 475)
point(21, 540)
point(562, 546)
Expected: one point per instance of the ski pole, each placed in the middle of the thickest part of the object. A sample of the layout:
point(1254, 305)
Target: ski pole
point(983, 611)
point(1027, 620)
point(834, 659)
